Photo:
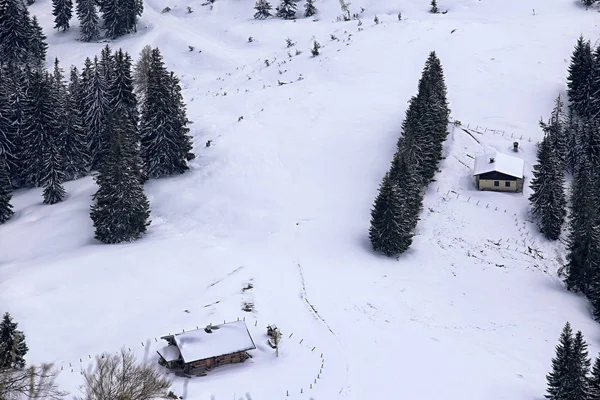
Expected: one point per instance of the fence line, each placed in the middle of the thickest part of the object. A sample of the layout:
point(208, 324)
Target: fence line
point(303, 389)
point(482, 130)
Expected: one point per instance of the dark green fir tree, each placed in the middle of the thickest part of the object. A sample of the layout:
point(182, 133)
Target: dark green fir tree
point(559, 379)
point(15, 33)
point(434, 8)
point(62, 11)
point(263, 9)
point(594, 381)
point(548, 202)
point(121, 209)
point(37, 45)
point(6, 209)
point(309, 8)
point(287, 9)
point(88, 20)
point(579, 79)
point(12, 344)
point(386, 233)
point(165, 141)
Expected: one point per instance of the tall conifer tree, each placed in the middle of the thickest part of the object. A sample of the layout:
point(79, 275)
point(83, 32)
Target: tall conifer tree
point(559, 379)
point(165, 143)
point(12, 344)
point(6, 209)
point(88, 20)
point(62, 11)
point(121, 209)
point(15, 33)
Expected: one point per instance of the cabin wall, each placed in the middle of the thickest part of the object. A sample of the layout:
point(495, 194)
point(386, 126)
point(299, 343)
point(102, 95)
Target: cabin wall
point(499, 185)
point(221, 360)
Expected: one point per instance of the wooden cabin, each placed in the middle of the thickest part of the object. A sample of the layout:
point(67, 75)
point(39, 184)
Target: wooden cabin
point(207, 348)
point(499, 172)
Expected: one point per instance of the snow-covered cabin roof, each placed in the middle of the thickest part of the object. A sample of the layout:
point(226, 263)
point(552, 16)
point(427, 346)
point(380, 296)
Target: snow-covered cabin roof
point(225, 339)
point(503, 163)
point(169, 353)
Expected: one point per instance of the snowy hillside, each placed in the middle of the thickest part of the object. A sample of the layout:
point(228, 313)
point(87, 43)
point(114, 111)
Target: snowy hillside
point(282, 198)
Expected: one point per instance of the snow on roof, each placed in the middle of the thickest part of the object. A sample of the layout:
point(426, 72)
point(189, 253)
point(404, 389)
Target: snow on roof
point(169, 353)
point(227, 338)
point(503, 163)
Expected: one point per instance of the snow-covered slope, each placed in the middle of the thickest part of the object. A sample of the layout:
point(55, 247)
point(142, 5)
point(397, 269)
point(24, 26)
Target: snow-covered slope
point(282, 199)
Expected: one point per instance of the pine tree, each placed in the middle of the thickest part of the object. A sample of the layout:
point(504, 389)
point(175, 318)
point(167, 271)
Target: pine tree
point(385, 233)
point(96, 107)
point(397, 208)
point(309, 8)
point(425, 126)
point(40, 126)
point(588, 3)
point(579, 368)
point(140, 74)
point(7, 145)
point(15, 84)
point(6, 211)
point(62, 11)
point(121, 209)
point(120, 16)
point(53, 175)
point(556, 130)
point(37, 45)
point(583, 257)
point(72, 144)
point(594, 381)
point(434, 7)
point(558, 379)
point(548, 199)
point(263, 9)
point(12, 344)
point(88, 20)
point(579, 80)
point(165, 143)
point(15, 33)
point(287, 9)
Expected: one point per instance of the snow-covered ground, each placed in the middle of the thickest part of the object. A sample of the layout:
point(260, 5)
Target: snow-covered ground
point(282, 198)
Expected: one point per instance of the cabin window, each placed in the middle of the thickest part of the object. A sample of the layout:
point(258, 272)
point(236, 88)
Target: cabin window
point(507, 184)
point(496, 183)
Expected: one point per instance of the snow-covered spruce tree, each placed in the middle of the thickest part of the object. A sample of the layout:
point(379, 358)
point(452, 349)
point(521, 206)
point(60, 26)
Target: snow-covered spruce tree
point(396, 210)
point(588, 3)
point(40, 126)
point(72, 143)
point(594, 381)
point(579, 79)
point(121, 209)
point(37, 45)
point(88, 20)
point(309, 8)
point(123, 103)
point(556, 131)
point(140, 73)
point(263, 9)
point(120, 16)
point(62, 11)
point(96, 108)
point(15, 33)
point(582, 256)
point(12, 344)
point(287, 9)
point(165, 143)
point(579, 368)
point(548, 203)
point(6, 209)
point(7, 146)
point(434, 7)
point(385, 233)
point(15, 84)
point(425, 126)
point(559, 379)
point(53, 174)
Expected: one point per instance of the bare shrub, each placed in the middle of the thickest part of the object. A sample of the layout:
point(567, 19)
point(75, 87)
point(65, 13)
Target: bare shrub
point(34, 382)
point(121, 377)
